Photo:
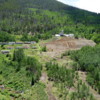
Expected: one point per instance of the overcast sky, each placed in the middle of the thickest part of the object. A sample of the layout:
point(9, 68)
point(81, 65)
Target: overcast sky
point(90, 5)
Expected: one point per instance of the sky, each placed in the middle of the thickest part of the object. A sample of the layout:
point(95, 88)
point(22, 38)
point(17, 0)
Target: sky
point(90, 5)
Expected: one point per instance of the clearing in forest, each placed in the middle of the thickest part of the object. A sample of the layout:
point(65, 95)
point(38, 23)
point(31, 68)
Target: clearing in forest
point(66, 43)
point(56, 47)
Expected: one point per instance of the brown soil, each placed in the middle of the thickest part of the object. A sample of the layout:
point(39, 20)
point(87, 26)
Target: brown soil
point(44, 79)
point(68, 44)
point(58, 46)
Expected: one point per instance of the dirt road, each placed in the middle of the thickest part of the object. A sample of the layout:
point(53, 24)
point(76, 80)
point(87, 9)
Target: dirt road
point(82, 76)
point(44, 79)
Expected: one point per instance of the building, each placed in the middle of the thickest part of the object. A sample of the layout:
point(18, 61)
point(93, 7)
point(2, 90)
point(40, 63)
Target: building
point(10, 48)
point(11, 43)
point(33, 42)
point(3, 43)
point(34, 47)
point(2, 87)
point(19, 43)
point(26, 47)
point(69, 35)
point(57, 35)
point(27, 42)
point(64, 35)
point(19, 47)
point(5, 51)
point(61, 33)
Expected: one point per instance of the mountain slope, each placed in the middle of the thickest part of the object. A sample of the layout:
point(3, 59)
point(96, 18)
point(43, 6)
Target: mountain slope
point(46, 16)
point(34, 71)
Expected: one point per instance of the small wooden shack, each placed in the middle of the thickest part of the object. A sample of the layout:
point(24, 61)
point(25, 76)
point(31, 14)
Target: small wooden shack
point(33, 42)
point(26, 47)
point(19, 43)
point(19, 47)
point(5, 51)
point(3, 43)
point(34, 47)
point(2, 87)
point(10, 48)
point(27, 42)
point(11, 43)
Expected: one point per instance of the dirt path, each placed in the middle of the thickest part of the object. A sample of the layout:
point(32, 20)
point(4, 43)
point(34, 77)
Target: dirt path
point(82, 76)
point(44, 79)
point(49, 91)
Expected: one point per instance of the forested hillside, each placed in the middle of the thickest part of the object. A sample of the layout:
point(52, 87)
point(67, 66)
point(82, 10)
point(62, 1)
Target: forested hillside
point(47, 17)
point(34, 64)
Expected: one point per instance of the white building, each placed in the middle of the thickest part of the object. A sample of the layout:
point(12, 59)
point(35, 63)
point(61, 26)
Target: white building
point(57, 35)
point(5, 51)
point(69, 35)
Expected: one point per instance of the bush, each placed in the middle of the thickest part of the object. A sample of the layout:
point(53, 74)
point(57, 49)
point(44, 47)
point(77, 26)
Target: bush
point(44, 49)
point(5, 37)
point(60, 74)
point(18, 55)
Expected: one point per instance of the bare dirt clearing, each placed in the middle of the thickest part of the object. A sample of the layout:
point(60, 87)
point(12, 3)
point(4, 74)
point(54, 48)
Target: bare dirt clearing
point(68, 44)
point(57, 47)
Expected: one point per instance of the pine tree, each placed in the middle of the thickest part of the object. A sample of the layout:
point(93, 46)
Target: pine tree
point(32, 82)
